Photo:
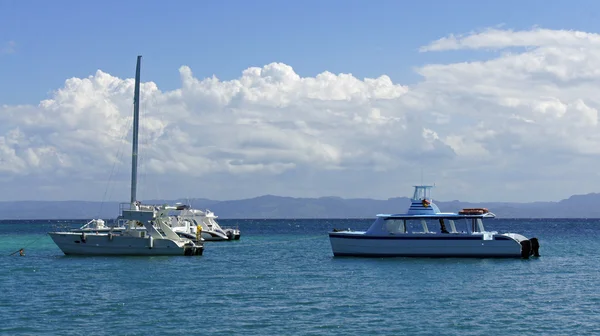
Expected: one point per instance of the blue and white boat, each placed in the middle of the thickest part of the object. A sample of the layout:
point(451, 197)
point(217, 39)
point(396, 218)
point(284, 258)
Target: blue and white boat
point(425, 231)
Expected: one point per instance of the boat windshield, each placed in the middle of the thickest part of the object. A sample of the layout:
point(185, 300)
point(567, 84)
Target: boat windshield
point(422, 192)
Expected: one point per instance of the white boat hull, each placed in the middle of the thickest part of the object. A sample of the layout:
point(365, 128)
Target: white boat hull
point(426, 245)
point(71, 243)
point(206, 235)
point(227, 234)
point(213, 236)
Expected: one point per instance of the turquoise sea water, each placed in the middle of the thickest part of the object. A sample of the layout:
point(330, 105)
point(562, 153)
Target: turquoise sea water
point(281, 279)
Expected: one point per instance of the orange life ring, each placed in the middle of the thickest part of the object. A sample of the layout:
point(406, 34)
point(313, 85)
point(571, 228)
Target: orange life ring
point(473, 211)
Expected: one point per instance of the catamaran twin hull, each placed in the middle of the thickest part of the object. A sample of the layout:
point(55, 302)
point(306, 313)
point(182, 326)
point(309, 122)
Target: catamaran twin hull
point(108, 244)
point(432, 245)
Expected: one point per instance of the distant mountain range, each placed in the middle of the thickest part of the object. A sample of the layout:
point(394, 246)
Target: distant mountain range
point(576, 206)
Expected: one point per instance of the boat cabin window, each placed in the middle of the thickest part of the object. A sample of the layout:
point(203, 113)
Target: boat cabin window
point(422, 225)
point(472, 225)
point(432, 225)
point(395, 226)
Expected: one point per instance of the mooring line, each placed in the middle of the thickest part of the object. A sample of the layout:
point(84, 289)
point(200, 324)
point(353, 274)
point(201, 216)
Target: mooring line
point(27, 245)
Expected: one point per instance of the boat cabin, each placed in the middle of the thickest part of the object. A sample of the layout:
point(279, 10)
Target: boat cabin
point(390, 224)
point(424, 217)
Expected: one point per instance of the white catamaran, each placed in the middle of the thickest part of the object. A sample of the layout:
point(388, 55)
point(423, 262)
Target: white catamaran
point(156, 237)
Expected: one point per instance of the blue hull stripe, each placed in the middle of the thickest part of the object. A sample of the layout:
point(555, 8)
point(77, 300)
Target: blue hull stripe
point(374, 255)
point(433, 216)
point(415, 237)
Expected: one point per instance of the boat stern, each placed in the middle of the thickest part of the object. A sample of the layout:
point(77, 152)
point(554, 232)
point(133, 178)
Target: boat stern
point(529, 246)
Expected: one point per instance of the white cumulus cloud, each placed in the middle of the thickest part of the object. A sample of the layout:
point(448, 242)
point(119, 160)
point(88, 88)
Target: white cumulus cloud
point(520, 125)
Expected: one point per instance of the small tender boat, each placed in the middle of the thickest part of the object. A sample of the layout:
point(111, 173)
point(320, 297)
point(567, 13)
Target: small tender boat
point(189, 222)
point(460, 234)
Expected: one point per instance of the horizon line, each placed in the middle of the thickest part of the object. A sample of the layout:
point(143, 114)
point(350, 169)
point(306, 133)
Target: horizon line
point(294, 197)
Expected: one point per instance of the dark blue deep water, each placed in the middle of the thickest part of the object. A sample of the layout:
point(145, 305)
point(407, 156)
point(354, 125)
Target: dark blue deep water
point(281, 279)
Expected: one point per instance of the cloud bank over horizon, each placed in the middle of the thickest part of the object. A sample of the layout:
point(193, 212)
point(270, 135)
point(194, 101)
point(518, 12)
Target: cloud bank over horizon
point(519, 125)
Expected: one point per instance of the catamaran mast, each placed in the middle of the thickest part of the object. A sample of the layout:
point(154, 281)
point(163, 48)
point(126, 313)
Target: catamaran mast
point(136, 117)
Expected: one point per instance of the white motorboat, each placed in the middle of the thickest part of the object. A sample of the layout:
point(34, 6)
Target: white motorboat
point(188, 222)
point(411, 234)
point(146, 229)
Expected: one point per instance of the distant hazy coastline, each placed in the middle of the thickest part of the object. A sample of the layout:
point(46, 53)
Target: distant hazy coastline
point(577, 206)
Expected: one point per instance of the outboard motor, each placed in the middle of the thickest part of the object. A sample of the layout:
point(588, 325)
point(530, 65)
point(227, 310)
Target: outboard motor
point(525, 249)
point(535, 247)
point(530, 247)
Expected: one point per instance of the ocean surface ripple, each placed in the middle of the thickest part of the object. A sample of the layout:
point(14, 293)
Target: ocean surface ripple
point(281, 279)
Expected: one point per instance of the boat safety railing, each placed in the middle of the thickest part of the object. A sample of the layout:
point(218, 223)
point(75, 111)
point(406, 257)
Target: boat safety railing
point(124, 206)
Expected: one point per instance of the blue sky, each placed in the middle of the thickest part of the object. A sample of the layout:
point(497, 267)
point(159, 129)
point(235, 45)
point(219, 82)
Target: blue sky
point(501, 94)
point(54, 41)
